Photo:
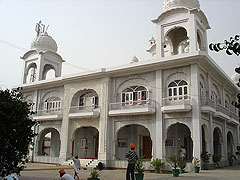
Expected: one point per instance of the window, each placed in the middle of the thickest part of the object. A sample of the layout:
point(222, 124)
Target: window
point(53, 104)
point(178, 90)
point(135, 95)
point(89, 99)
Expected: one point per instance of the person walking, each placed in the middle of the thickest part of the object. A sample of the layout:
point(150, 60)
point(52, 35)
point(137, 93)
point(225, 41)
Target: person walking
point(65, 176)
point(132, 158)
point(76, 166)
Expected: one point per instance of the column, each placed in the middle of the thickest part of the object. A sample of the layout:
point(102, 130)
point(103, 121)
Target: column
point(224, 143)
point(64, 154)
point(196, 113)
point(104, 141)
point(159, 142)
point(210, 136)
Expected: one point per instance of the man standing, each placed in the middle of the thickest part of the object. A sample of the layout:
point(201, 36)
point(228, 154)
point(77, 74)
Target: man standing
point(132, 158)
point(65, 176)
point(76, 166)
point(182, 152)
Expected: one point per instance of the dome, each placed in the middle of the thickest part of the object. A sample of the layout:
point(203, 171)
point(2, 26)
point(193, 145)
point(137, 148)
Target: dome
point(44, 42)
point(171, 4)
point(235, 77)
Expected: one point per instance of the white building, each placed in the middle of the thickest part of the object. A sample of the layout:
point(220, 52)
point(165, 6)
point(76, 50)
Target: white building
point(178, 97)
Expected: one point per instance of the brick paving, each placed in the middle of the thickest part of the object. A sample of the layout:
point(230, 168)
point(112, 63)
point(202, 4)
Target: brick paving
point(36, 171)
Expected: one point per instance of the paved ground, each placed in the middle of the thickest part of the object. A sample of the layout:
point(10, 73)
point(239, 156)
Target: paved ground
point(35, 171)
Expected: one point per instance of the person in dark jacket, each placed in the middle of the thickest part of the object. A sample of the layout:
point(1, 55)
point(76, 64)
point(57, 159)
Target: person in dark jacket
point(132, 158)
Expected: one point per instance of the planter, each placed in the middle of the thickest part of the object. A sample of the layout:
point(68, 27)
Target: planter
point(157, 170)
point(93, 179)
point(175, 172)
point(182, 171)
point(139, 176)
point(196, 169)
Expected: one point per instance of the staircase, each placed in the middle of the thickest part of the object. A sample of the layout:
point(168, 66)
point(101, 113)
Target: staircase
point(85, 163)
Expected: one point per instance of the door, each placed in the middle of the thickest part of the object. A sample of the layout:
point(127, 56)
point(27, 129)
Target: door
point(147, 147)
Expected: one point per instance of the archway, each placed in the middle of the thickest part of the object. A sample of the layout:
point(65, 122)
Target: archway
point(179, 135)
point(85, 143)
point(230, 144)
point(136, 134)
point(49, 142)
point(217, 141)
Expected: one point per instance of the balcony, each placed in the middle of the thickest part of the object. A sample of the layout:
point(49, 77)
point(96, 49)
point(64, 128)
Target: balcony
point(48, 114)
point(208, 105)
point(218, 110)
point(176, 104)
point(132, 108)
point(84, 111)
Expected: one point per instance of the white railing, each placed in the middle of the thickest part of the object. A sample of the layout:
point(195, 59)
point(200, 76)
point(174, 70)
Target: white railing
point(132, 104)
point(177, 100)
point(232, 112)
point(80, 109)
point(46, 112)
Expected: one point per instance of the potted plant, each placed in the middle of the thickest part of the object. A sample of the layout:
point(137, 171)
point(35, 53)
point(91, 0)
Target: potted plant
point(157, 164)
point(139, 168)
point(231, 158)
point(182, 164)
point(196, 164)
point(174, 161)
point(94, 175)
point(216, 159)
point(205, 158)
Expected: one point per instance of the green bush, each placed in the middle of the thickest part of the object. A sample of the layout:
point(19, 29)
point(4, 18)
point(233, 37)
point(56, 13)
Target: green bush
point(139, 167)
point(173, 160)
point(157, 163)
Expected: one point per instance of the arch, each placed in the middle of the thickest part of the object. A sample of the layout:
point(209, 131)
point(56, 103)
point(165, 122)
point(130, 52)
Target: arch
point(217, 141)
point(178, 90)
point(227, 101)
point(86, 99)
point(131, 82)
point(48, 68)
point(85, 142)
point(200, 41)
point(179, 134)
point(48, 145)
point(176, 36)
point(136, 134)
point(230, 144)
point(31, 76)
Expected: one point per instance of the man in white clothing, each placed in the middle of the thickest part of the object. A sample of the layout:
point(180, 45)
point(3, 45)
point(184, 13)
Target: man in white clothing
point(65, 176)
point(76, 166)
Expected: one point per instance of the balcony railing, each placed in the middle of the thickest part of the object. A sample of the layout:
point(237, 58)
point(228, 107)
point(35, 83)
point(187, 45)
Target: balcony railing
point(131, 104)
point(230, 112)
point(80, 109)
point(177, 100)
point(47, 112)
point(132, 108)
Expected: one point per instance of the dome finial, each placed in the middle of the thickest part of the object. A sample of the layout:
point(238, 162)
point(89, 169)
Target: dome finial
point(134, 59)
point(40, 28)
point(189, 4)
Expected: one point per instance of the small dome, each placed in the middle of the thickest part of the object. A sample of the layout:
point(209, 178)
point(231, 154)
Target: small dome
point(134, 59)
point(235, 77)
point(171, 4)
point(44, 42)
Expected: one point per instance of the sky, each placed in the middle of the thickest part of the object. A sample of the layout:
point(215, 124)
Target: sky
point(93, 34)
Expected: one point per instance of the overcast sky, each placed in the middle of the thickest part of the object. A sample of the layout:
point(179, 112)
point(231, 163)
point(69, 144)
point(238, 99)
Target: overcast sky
point(92, 34)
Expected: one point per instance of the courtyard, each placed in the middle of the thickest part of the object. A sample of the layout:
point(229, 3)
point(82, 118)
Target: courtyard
point(38, 171)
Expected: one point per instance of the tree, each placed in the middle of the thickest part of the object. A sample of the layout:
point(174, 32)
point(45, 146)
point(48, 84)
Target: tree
point(16, 131)
point(232, 47)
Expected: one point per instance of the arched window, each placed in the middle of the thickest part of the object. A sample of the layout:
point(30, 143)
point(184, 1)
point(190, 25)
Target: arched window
point(32, 73)
point(89, 99)
point(53, 104)
point(135, 95)
point(178, 90)
point(214, 96)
